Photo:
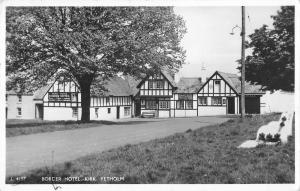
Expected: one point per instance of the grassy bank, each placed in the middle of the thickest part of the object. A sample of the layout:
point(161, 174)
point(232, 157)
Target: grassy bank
point(16, 127)
point(206, 155)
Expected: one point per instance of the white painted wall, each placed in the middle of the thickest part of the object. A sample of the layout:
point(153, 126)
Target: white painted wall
point(211, 110)
point(104, 115)
point(27, 106)
point(279, 101)
point(163, 113)
point(185, 113)
point(60, 113)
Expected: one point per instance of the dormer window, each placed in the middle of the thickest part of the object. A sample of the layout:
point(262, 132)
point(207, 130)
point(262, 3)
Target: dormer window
point(150, 84)
point(157, 84)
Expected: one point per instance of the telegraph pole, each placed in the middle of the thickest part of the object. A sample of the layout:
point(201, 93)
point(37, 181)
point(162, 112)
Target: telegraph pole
point(243, 65)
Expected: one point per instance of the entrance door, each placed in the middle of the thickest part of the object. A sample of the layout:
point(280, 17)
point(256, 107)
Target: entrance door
point(118, 112)
point(252, 105)
point(137, 107)
point(39, 112)
point(230, 105)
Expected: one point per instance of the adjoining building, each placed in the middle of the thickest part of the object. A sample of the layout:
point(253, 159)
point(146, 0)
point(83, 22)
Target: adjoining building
point(61, 100)
point(123, 97)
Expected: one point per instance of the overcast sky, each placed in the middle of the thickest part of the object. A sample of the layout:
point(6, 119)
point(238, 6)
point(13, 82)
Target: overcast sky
point(208, 40)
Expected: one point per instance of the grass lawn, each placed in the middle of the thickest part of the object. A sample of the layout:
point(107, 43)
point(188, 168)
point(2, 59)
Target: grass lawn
point(203, 156)
point(16, 127)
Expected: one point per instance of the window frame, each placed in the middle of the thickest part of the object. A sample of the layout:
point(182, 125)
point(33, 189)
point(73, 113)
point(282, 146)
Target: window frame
point(218, 85)
point(187, 102)
point(74, 112)
point(180, 103)
point(126, 111)
point(153, 104)
point(201, 102)
point(152, 84)
point(164, 104)
point(218, 99)
point(160, 84)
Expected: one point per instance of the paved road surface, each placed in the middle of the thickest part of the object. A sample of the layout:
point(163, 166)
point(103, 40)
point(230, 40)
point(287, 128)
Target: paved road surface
point(33, 151)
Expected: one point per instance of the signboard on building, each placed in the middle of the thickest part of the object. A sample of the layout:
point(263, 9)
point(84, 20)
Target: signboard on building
point(185, 96)
point(59, 96)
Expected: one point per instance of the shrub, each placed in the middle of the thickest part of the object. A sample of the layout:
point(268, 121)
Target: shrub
point(276, 138)
point(269, 138)
point(261, 137)
point(188, 131)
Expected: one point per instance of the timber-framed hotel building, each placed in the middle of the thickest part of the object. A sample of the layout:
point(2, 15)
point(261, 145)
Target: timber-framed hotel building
point(155, 95)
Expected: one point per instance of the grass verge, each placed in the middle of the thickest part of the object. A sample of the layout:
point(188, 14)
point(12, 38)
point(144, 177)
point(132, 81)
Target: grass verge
point(207, 155)
point(26, 127)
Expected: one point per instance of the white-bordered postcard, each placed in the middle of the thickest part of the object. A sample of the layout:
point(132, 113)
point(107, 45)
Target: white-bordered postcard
point(155, 95)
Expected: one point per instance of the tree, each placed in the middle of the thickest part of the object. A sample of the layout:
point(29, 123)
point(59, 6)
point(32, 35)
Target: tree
point(90, 43)
point(272, 61)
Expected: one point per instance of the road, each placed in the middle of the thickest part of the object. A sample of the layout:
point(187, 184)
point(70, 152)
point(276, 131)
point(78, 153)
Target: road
point(44, 149)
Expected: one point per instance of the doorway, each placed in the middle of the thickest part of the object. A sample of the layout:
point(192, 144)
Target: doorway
point(39, 111)
point(230, 105)
point(118, 112)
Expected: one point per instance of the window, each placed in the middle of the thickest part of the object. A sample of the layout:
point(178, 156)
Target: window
point(107, 100)
point(150, 84)
point(150, 104)
point(202, 100)
point(224, 101)
point(73, 97)
point(160, 84)
point(60, 87)
point(6, 97)
point(108, 110)
point(216, 101)
point(164, 104)
point(180, 104)
point(97, 112)
point(19, 110)
point(218, 85)
point(157, 84)
point(74, 112)
point(188, 104)
point(126, 111)
point(19, 98)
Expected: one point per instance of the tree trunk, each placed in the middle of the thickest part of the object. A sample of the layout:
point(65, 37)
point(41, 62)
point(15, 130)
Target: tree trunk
point(85, 86)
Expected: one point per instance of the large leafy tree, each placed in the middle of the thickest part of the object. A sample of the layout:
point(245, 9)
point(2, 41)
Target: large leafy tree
point(272, 61)
point(90, 43)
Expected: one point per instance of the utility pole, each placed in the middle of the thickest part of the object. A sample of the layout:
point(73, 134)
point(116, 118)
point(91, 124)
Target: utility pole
point(243, 65)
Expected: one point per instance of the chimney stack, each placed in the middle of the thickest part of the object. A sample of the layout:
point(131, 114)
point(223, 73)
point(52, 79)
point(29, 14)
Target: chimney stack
point(203, 73)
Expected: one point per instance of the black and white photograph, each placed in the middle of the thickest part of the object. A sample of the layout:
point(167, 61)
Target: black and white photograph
point(149, 94)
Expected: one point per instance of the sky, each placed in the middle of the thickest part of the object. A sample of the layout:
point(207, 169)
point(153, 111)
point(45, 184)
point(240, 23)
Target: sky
point(208, 42)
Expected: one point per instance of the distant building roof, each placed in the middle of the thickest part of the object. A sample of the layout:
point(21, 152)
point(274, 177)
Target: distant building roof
point(235, 82)
point(189, 85)
point(116, 86)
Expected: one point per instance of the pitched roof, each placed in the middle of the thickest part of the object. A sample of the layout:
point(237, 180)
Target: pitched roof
point(189, 85)
point(169, 77)
point(116, 86)
point(167, 74)
point(235, 82)
point(40, 93)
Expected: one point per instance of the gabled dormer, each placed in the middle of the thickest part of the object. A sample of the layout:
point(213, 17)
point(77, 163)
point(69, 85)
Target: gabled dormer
point(217, 85)
point(157, 85)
